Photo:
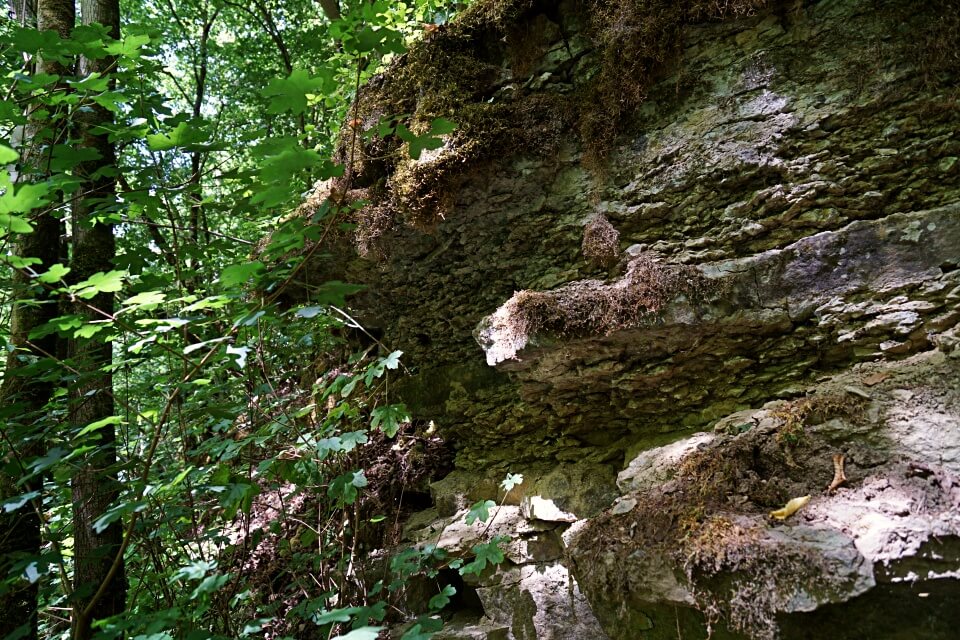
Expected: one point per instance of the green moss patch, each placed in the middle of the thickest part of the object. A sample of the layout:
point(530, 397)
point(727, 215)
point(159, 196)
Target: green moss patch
point(479, 72)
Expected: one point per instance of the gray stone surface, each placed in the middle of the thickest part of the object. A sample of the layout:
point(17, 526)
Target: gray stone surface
point(787, 206)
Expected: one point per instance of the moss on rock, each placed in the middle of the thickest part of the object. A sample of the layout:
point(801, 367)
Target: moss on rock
point(482, 71)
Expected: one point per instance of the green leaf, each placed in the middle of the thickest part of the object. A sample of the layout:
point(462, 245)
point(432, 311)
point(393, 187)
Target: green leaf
point(348, 388)
point(99, 424)
point(363, 633)
point(18, 262)
point(193, 571)
point(101, 282)
point(442, 599)
point(334, 292)
point(389, 418)
point(66, 157)
point(442, 126)
point(147, 300)
point(54, 274)
point(14, 224)
point(115, 513)
point(53, 457)
point(185, 134)
point(344, 487)
point(210, 584)
point(480, 511)
point(12, 504)
point(309, 312)
point(425, 628)
point(419, 144)
point(238, 274)
point(7, 155)
point(93, 82)
point(511, 481)
point(21, 199)
point(350, 440)
point(392, 361)
point(240, 353)
point(129, 47)
point(486, 554)
point(237, 496)
point(290, 93)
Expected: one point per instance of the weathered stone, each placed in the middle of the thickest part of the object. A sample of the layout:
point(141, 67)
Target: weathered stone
point(784, 223)
point(540, 601)
point(655, 466)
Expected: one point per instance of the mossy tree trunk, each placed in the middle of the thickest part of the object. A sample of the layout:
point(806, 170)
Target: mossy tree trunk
point(25, 391)
point(99, 580)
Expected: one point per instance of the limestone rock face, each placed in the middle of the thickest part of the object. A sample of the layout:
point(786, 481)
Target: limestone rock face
point(763, 273)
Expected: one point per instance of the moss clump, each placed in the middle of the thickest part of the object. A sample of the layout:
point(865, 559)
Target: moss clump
point(636, 38)
point(601, 242)
point(794, 417)
point(477, 72)
point(592, 307)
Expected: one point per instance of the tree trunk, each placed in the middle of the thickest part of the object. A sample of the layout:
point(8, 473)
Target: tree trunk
point(99, 580)
point(23, 395)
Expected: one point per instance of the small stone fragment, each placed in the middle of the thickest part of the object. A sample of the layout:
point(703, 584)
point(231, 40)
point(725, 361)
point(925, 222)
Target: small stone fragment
point(624, 506)
point(857, 391)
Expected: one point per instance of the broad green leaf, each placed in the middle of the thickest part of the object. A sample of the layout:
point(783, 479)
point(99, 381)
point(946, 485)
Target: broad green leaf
point(486, 554)
point(101, 282)
point(116, 513)
point(363, 633)
point(442, 126)
point(344, 487)
point(240, 353)
point(187, 350)
point(511, 481)
point(147, 300)
point(90, 329)
point(54, 274)
point(442, 599)
point(93, 82)
point(309, 312)
point(335, 615)
point(12, 504)
point(31, 573)
point(193, 571)
point(18, 262)
point(392, 361)
point(425, 628)
point(210, 584)
point(480, 511)
point(129, 47)
point(183, 135)
point(389, 418)
point(14, 224)
point(335, 292)
point(7, 155)
point(349, 442)
point(238, 274)
point(65, 157)
point(99, 424)
point(20, 199)
point(32, 41)
point(290, 93)
point(284, 165)
point(52, 457)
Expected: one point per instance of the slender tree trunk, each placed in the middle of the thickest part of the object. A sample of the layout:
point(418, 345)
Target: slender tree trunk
point(24, 395)
point(99, 580)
